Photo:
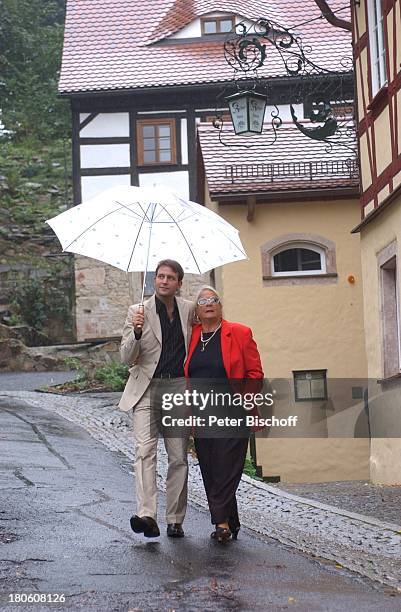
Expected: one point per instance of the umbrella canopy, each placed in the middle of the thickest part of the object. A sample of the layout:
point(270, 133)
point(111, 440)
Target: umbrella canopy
point(133, 228)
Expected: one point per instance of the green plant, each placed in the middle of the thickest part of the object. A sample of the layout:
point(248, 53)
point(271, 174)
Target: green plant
point(13, 319)
point(73, 363)
point(29, 302)
point(250, 469)
point(114, 375)
point(39, 302)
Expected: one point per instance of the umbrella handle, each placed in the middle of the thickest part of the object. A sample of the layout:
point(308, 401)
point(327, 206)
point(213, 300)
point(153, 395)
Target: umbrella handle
point(140, 310)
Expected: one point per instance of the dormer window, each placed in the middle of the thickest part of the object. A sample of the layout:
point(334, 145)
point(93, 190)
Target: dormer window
point(217, 25)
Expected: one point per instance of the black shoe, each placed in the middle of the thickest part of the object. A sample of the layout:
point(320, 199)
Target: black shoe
point(145, 525)
point(234, 530)
point(222, 534)
point(175, 530)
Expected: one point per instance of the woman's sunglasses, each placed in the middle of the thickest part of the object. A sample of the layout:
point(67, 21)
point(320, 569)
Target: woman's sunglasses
point(210, 300)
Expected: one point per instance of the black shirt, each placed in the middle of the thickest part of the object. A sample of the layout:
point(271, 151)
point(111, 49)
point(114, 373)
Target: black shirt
point(208, 363)
point(172, 356)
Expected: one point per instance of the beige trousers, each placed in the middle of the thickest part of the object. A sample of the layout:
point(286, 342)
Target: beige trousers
point(147, 427)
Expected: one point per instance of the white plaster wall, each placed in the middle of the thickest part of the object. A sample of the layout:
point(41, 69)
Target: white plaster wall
point(192, 30)
point(161, 111)
point(184, 141)
point(105, 156)
point(93, 185)
point(175, 181)
point(105, 125)
point(284, 110)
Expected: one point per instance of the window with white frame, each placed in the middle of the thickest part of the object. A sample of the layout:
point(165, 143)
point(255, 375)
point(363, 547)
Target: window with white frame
point(298, 259)
point(376, 44)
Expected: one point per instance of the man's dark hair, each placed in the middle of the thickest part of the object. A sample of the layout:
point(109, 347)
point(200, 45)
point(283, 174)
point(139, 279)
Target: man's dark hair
point(174, 265)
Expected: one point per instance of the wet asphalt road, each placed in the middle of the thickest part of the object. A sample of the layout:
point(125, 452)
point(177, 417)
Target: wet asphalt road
point(65, 504)
point(31, 381)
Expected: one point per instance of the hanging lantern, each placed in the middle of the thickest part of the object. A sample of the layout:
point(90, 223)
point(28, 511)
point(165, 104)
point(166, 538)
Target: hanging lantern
point(247, 109)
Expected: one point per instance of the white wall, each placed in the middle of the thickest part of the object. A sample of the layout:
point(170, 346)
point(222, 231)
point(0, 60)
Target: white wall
point(184, 141)
point(105, 156)
point(105, 125)
point(108, 155)
point(93, 185)
point(285, 114)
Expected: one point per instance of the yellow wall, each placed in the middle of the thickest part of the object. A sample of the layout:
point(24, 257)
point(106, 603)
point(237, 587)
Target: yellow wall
point(375, 236)
point(317, 326)
point(385, 462)
point(295, 325)
point(383, 141)
point(361, 72)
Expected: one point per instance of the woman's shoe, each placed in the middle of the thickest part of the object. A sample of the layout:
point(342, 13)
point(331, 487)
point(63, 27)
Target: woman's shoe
point(234, 530)
point(222, 534)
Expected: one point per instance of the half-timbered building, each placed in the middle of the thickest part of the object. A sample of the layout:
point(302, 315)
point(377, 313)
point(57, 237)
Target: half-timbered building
point(377, 53)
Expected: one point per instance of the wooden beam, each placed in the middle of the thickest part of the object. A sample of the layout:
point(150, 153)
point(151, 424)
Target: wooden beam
point(251, 202)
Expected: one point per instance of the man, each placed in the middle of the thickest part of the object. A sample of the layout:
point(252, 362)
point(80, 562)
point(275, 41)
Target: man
point(154, 343)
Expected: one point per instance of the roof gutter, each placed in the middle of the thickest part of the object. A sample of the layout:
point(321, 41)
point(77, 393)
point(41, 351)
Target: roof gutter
point(268, 196)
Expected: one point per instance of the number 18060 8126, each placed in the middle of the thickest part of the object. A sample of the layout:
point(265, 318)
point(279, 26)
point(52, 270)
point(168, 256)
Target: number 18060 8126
point(36, 598)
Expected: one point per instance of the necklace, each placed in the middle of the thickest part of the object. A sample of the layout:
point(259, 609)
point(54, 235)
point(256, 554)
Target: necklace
point(206, 342)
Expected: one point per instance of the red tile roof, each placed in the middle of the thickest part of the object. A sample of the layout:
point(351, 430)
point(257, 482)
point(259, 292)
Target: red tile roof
point(293, 163)
point(108, 44)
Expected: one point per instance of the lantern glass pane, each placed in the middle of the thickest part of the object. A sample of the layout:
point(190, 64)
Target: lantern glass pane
point(256, 114)
point(238, 110)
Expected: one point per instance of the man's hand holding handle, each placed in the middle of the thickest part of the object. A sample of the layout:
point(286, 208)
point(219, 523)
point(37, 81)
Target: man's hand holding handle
point(138, 320)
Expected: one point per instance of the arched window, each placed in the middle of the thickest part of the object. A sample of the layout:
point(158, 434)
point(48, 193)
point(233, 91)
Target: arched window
point(298, 259)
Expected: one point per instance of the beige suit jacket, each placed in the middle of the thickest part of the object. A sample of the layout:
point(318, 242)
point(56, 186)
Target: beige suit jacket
point(143, 355)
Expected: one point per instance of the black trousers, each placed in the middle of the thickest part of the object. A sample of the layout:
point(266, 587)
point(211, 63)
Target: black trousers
point(221, 461)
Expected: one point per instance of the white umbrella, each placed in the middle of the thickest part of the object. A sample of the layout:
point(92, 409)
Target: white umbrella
point(132, 228)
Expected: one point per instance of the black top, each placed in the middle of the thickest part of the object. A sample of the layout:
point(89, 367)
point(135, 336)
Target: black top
point(172, 356)
point(208, 363)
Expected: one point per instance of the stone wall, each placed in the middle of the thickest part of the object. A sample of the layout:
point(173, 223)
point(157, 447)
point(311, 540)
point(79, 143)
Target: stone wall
point(103, 294)
point(54, 273)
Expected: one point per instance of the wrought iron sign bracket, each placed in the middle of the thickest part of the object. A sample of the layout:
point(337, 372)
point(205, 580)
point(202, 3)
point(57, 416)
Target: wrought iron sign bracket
point(248, 49)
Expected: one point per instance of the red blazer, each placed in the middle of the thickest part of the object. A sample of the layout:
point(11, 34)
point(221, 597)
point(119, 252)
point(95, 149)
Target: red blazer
point(240, 354)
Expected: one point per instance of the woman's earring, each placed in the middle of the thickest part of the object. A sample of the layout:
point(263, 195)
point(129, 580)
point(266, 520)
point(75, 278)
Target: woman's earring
point(196, 318)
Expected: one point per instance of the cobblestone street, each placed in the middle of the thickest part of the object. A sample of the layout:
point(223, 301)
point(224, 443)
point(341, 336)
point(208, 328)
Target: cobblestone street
point(381, 502)
point(363, 544)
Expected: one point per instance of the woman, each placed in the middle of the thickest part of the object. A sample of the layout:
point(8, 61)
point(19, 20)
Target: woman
point(221, 350)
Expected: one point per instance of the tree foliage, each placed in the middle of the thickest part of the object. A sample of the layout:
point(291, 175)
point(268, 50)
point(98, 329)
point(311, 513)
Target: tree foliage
point(31, 37)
